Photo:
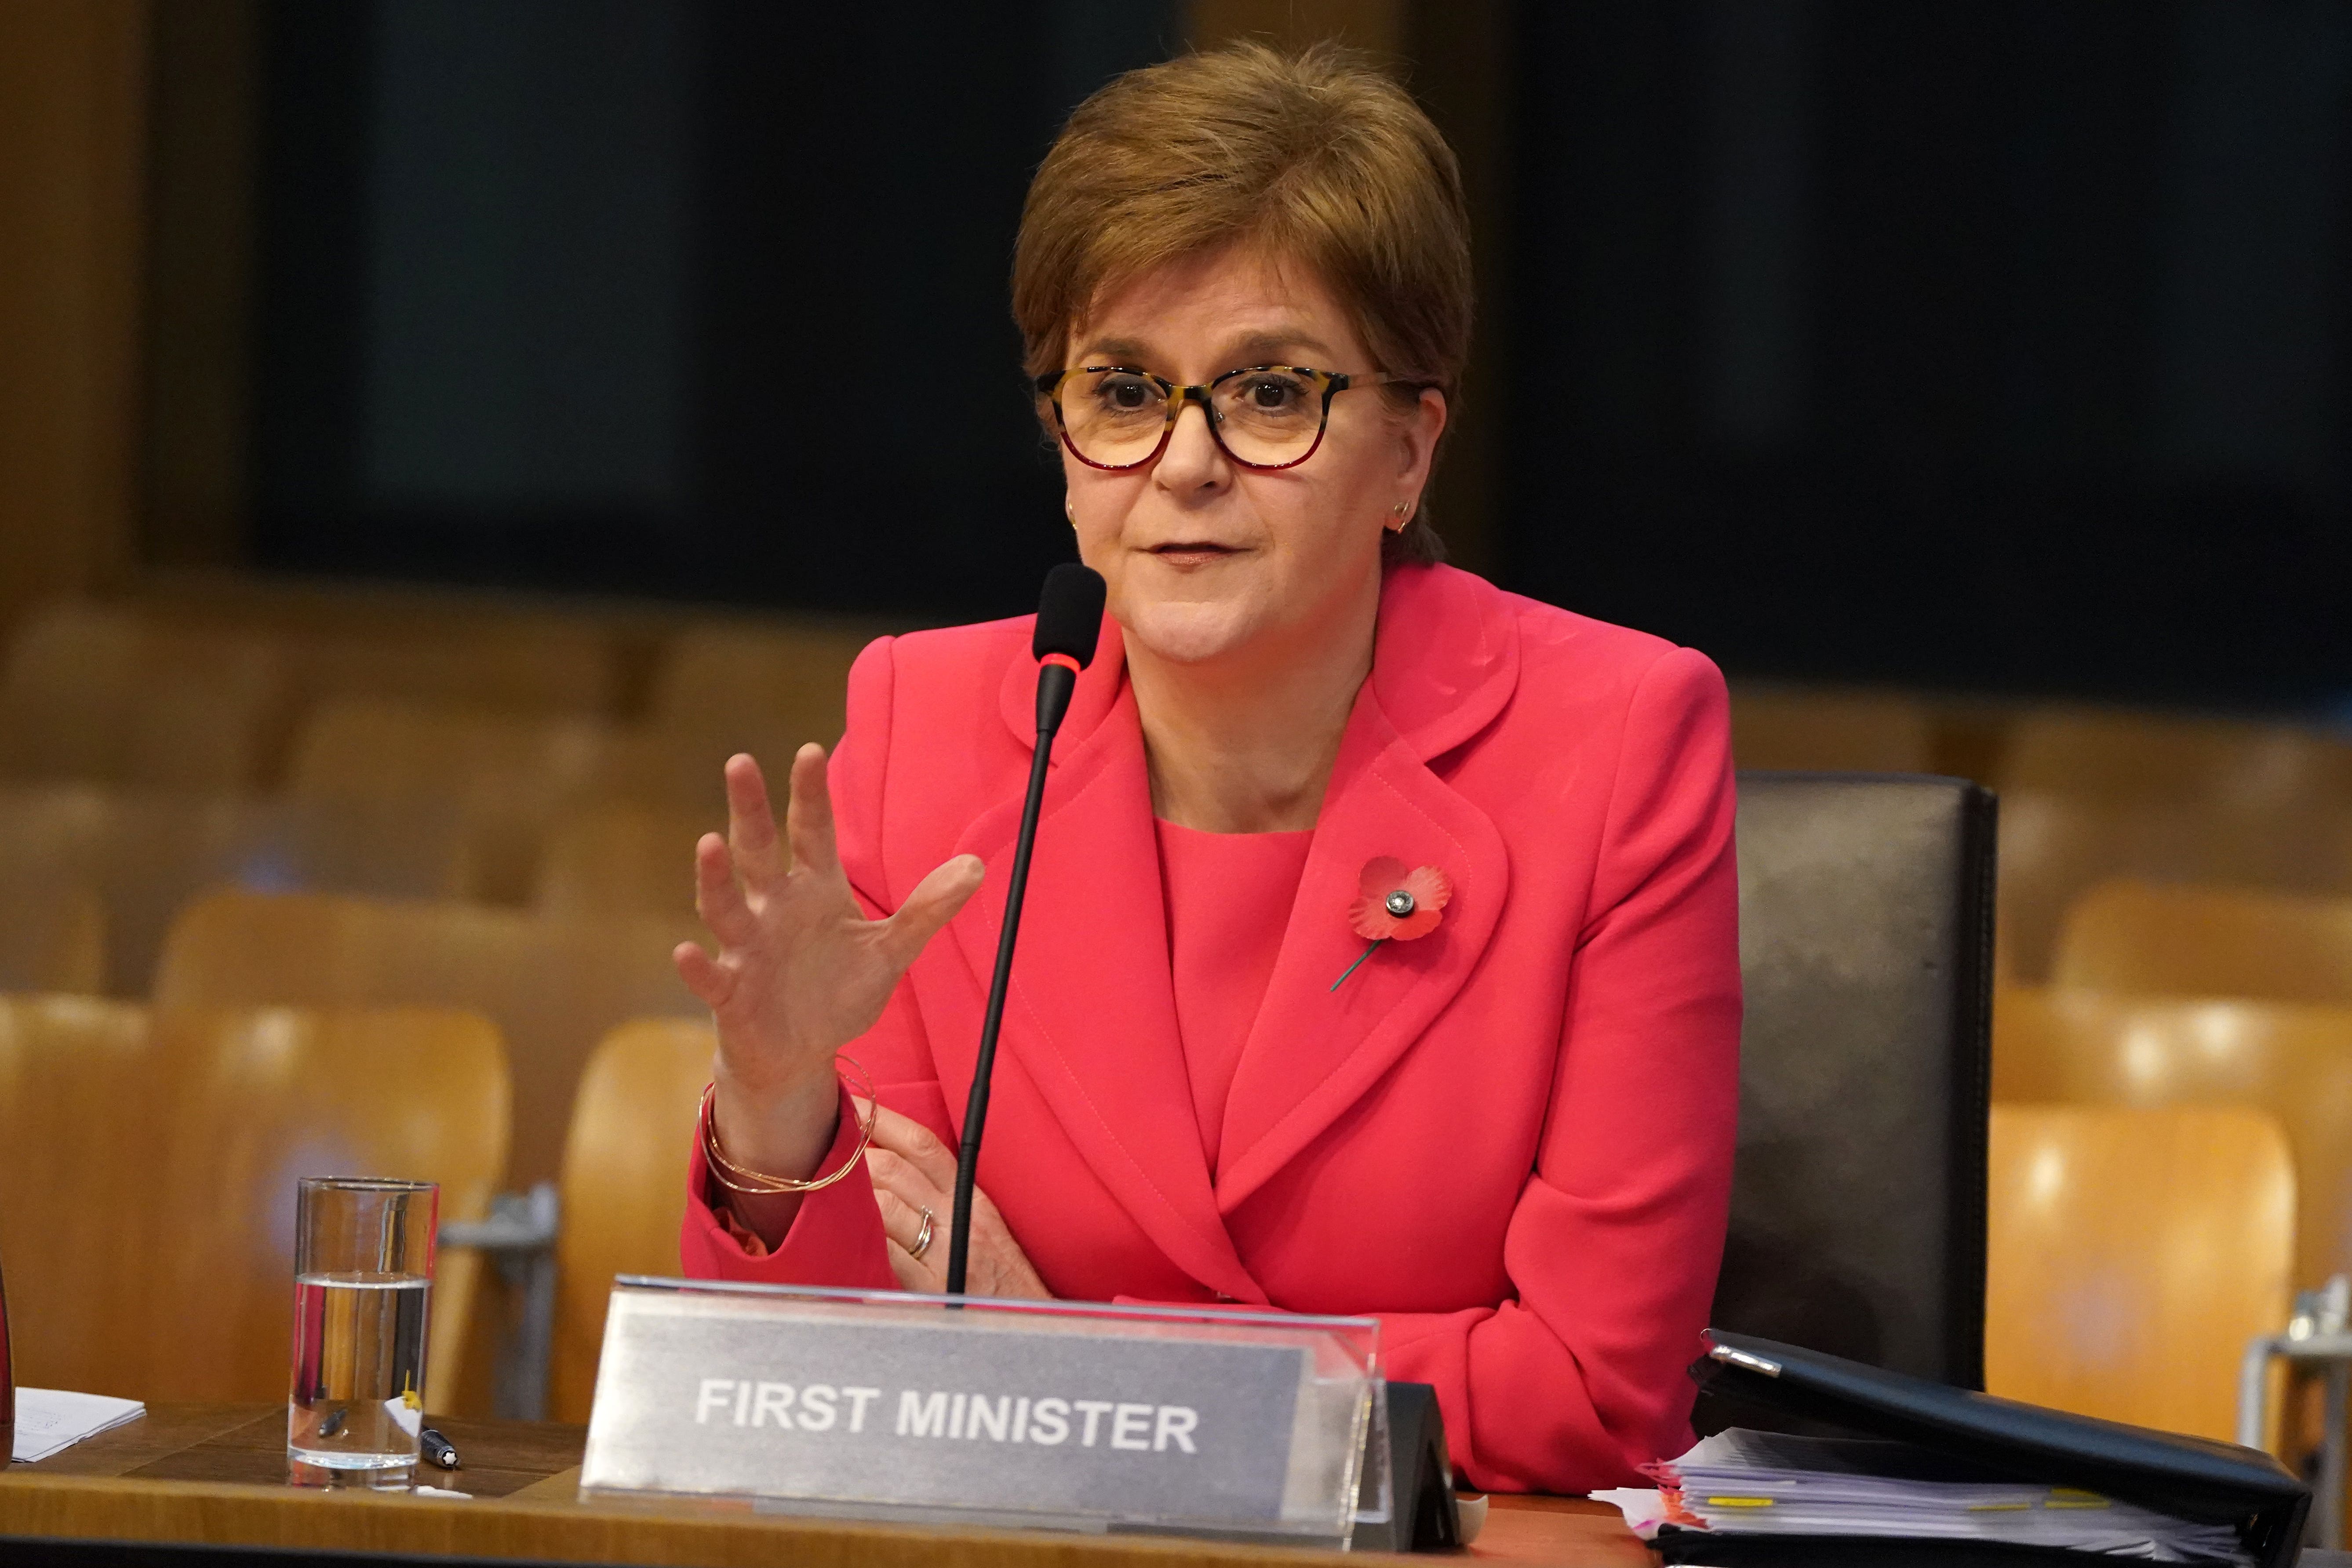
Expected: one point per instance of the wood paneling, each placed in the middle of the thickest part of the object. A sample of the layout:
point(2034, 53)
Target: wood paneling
point(72, 124)
point(205, 111)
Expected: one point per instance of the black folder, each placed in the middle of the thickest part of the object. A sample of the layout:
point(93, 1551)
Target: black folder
point(2190, 1477)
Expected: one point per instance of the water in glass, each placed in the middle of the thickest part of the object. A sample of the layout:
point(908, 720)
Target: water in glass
point(362, 1288)
point(358, 1370)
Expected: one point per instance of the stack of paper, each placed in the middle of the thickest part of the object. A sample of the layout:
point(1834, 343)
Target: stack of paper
point(50, 1420)
point(1765, 1483)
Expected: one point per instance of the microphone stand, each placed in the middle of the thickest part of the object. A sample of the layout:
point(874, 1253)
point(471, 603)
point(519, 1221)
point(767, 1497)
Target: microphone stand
point(1058, 677)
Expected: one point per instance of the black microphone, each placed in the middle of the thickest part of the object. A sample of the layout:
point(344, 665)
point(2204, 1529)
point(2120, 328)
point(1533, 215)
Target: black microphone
point(1070, 617)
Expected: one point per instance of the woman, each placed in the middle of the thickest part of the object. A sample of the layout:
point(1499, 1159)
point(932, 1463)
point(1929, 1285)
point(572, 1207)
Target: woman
point(1507, 1130)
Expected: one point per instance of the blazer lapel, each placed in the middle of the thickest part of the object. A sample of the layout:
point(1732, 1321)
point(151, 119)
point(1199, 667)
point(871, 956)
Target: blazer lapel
point(1094, 1025)
point(1445, 663)
point(1314, 1051)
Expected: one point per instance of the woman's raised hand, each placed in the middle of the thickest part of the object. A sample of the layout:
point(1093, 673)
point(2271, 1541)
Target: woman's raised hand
point(800, 971)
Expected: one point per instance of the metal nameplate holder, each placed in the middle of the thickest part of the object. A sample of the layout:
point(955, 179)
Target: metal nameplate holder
point(877, 1404)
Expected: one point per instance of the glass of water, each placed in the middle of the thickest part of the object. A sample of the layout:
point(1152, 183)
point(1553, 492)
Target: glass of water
point(362, 1278)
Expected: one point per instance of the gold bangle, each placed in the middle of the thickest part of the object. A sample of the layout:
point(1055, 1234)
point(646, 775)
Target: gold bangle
point(737, 1178)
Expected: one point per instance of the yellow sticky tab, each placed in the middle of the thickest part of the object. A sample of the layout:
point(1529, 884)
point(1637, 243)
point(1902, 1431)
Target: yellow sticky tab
point(2000, 1507)
point(1740, 1503)
point(2067, 1496)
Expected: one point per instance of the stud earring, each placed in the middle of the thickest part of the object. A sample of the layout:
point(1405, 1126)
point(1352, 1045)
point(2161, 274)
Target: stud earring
point(1070, 510)
point(1399, 512)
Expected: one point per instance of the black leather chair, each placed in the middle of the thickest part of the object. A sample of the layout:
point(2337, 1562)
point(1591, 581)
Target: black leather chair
point(1866, 942)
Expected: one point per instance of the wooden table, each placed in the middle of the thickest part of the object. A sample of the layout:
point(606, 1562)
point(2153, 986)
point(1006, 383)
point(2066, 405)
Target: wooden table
point(216, 1475)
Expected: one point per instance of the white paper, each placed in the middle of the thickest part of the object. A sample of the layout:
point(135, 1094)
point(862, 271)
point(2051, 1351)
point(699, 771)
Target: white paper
point(1760, 1483)
point(51, 1420)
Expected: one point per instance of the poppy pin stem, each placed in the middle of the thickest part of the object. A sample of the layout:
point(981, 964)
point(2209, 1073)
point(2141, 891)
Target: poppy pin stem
point(1358, 964)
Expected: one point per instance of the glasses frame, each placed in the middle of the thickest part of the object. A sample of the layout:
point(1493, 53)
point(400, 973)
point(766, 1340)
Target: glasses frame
point(1333, 383)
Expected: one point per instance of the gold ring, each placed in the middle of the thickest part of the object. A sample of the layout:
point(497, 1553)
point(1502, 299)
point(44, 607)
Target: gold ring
point(922, 1237)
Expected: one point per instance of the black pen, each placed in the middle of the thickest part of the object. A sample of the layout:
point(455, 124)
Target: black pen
point(437, 1448)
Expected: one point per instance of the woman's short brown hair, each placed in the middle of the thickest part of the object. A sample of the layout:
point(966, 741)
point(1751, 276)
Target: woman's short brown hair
point(1317, 157)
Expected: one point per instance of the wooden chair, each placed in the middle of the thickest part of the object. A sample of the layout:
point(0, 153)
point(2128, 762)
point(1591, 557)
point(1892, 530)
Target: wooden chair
point(2054, 848)
point(624, 1183)
point(147, 854)
point(617, 859)
point(782, 681)
point(101, 694)
point(547, 667)
point(506, 775)
point(1829, 730)
point(52, 934)
point(2132, 1253)
point(81, 1127)
point(552, 986)
point(259, 1097)
point(2291, 1062)
point(146, 1213)
point(2118, 755)
point(671, 770)
point(2152, 938)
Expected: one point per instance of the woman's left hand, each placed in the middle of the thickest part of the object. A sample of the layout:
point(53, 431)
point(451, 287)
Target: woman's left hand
point(913, 1174)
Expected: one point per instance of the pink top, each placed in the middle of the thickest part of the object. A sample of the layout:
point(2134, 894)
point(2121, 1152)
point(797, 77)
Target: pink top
point(1227, 897)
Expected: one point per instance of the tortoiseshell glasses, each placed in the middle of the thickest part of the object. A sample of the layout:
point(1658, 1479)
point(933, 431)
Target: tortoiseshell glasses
point(1263, 417)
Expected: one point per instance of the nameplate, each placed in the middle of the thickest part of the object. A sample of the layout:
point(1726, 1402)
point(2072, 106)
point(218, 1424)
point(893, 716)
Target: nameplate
point(890, 1405)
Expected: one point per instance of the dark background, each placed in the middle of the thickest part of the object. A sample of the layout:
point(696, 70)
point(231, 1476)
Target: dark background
point(1980, 344)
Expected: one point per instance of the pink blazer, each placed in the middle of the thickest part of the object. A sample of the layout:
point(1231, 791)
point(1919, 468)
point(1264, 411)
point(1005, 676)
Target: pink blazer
point(1510, 1140)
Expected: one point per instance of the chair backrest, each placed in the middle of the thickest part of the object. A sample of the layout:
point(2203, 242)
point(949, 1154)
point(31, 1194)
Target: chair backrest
point(103, 695)
point(624, 1183)
point(2293, 1063)
point(260, 1097)
point(2054, 848)
point(147, 1194)
point(79, 1126)
point(2134, 1253)
point(1865, 937)
point(545, 666)
point(618, 859)
point(2157, 939)
point(2120, 754)
point(146, 855)
point(506, 775)
point(52, 933)
point(553, 987)
point(789, 683)
point(1829, 729)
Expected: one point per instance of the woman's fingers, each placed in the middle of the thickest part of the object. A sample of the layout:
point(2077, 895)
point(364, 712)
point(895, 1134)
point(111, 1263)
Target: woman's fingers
point(902, 1137)
point(998, 1267)
point(758, 855)
point(718, 898)
point(902, 1222)
point(808, 815)
point(710, 980)
point(914, 1273)
point(933, 903)
point(914, 1182)
point(911, 1205)
point(913, 1171)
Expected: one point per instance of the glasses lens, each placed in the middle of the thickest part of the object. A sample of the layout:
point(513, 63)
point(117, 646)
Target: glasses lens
point(1270, 415)
point(1113, 416)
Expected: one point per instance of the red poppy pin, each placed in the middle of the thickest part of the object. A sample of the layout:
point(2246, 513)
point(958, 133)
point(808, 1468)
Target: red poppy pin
point(1394, 903)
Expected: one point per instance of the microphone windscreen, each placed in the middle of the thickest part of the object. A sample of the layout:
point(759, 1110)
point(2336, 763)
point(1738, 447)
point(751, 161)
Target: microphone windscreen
point(1069, 613)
